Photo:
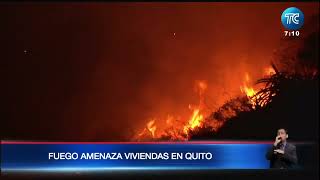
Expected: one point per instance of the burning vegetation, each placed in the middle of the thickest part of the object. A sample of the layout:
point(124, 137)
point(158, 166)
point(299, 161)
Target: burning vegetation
point(255, 99)
point(254, 95)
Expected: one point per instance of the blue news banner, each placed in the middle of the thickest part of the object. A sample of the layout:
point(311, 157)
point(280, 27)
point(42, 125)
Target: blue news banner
point(38, 157)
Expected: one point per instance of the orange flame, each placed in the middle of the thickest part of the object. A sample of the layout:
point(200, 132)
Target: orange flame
point(152, 127)
point(250, 91)
point(195, 121)
point(245, 88)
point(196, 117)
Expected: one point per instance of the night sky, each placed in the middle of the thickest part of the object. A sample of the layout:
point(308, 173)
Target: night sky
point(99, 71)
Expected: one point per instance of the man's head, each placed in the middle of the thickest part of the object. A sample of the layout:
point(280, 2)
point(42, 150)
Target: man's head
point(283, 133)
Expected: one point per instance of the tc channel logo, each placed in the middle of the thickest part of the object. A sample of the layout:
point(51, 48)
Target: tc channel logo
point(292, 18)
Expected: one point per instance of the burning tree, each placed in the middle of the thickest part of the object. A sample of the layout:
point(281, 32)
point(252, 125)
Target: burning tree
point(272, 83)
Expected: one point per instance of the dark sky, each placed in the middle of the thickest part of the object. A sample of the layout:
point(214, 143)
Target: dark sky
point(99, 71)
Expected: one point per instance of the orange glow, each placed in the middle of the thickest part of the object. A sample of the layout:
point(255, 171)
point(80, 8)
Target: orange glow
point(202, 86)
point(269, 71)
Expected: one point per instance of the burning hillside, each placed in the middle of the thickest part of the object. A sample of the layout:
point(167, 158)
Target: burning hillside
point(201, 116)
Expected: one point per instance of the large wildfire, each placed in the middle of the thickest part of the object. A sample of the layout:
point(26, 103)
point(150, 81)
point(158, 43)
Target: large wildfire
point(178, 129)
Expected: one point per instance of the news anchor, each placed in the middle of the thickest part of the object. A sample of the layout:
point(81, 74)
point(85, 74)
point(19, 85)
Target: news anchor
point(282, 155)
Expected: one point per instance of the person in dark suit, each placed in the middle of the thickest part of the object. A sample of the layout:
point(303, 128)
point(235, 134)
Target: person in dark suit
point(282, 155)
